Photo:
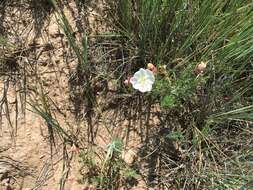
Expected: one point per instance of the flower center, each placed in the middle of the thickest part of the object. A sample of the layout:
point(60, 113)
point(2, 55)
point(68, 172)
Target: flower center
point(142, 79)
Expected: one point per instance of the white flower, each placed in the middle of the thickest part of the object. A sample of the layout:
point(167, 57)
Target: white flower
point(143, 80)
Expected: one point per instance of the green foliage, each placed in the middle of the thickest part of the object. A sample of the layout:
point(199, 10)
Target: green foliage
point(115, 147)
point(5, 52)
point(179, 35)
point(247, 186)
point(108, 170)
point(176, 136)
point(168, 101)
point(166, 31)
point(42, 108)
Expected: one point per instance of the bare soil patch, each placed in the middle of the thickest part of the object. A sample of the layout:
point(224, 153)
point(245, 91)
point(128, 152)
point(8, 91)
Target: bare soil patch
point(38, 59)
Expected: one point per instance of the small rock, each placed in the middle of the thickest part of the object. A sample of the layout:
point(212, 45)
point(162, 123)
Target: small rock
point(128, 156)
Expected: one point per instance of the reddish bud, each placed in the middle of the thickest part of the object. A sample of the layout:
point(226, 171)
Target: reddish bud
point(127, 81)
point(152, 67)
point(200, 68)
point(154, 70)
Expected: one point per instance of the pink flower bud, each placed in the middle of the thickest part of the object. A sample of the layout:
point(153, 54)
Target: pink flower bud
point(154, 70)
point(152, 67)
point(200, 68)
point(127, 81)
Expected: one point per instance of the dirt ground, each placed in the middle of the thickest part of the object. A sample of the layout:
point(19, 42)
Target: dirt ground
point(40, 48)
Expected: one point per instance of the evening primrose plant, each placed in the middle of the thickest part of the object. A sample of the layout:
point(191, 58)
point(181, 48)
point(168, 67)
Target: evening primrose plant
point(207, 49)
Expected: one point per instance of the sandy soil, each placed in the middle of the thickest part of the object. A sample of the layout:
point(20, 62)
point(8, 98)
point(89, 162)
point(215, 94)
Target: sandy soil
point(25, 157)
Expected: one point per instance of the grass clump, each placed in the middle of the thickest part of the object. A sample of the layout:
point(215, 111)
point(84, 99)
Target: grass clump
point(106, 169)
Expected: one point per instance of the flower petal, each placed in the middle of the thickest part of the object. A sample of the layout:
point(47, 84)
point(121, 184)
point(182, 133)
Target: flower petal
point(149, 88)
point(142, 88)
point(150, 75)
point(137, 86)
point(133, 80)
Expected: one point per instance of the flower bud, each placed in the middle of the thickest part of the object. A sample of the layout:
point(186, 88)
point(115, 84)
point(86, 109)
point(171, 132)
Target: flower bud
point(200, 68)
point(154, 70)
point(152, 67)
point(127, 81)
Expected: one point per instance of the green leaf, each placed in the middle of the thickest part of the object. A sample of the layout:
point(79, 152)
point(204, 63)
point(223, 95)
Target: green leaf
point(176, 136)
point(168, 101)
